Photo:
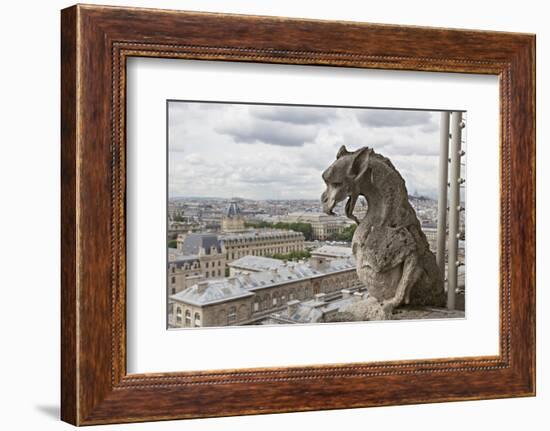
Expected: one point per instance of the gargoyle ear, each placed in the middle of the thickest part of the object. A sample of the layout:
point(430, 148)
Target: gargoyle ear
point(342, 152)
point(360, 163)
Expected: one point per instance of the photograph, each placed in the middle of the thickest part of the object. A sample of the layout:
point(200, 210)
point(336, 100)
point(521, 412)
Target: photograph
point(283, 214)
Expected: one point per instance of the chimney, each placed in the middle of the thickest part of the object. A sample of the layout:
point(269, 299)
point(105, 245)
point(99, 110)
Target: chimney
point(318, 263)
point(179, 241)
point(320, 297)
point(292, 307)
point(202, 286)
point(357, 296)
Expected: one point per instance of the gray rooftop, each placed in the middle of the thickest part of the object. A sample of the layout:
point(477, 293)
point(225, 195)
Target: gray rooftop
point(313, 310)
point(232, 210)
point(212, 291)
point(256, 263)
point(235, 287)
point(333, 251)
point(193, 242)
point(306, 313)
point(180, 260)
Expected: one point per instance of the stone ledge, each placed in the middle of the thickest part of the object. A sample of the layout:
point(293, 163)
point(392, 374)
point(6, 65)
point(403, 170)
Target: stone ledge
point(414, 313)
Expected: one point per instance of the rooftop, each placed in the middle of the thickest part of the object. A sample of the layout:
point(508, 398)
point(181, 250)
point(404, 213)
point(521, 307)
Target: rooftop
point(193, 242)
point(333, 251)
point(256, 263)
point(232, 210)
point(314, 309)
point(180, 260)
point(212, 291)
point(231, 288)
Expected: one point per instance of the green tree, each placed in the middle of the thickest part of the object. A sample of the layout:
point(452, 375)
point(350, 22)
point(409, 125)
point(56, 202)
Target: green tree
point(178, 217)
point(173, 243)
point(345, 235)
point(293, 255)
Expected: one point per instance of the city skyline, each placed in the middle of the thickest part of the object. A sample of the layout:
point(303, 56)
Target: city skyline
point(219, 150)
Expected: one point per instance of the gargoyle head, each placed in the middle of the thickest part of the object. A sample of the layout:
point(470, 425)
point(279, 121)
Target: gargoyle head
point(343, 178)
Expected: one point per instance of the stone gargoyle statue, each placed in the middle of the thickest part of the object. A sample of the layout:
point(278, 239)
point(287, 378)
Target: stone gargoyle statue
point(393, 256)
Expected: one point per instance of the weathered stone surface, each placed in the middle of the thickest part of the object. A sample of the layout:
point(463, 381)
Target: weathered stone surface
point(408, 312)
point(393, 256)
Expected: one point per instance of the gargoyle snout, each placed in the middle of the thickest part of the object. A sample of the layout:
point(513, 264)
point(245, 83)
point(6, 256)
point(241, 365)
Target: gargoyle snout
point(327, 202)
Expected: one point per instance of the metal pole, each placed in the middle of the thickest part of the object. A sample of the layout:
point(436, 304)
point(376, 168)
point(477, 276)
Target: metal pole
point(454, 207)
point(442, 194)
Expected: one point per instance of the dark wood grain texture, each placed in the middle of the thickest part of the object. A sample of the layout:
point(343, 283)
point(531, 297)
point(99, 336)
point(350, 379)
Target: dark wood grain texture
point(68, 217)
point(95, 42)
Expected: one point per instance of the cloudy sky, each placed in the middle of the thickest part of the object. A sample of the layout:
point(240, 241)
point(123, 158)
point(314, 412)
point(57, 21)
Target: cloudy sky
point(279, 152)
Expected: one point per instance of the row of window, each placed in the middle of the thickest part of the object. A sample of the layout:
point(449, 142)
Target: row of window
point(207, 274)
point(187, 267)
point(262, 252)
point(186, 322)
point(213, 273)
point(282, 238)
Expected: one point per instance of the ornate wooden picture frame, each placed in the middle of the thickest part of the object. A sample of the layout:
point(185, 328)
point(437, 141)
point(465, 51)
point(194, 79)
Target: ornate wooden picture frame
point(96, 41)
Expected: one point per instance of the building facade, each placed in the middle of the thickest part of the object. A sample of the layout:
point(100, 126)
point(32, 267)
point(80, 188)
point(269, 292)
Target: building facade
point(232, 220)
point(323, 226)
point(250, 298)
point(261, 242)
point(198, 257)
point(249, 264)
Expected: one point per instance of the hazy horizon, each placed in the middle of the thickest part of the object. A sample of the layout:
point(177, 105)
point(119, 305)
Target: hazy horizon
point(266, 199)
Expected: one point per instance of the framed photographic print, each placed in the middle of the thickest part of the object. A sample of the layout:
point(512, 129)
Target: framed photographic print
point(322, 214)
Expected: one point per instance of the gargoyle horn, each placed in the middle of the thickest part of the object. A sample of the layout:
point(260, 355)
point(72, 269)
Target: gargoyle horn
point(360, 163)
point(342, 152)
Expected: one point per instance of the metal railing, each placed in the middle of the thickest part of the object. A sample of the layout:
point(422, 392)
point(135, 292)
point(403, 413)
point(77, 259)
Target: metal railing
point(449, 206)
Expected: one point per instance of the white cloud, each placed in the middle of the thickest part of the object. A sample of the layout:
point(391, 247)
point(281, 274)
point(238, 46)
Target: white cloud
point(264, 152)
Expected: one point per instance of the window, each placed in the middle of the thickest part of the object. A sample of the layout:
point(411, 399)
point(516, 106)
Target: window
point(178, 315)
point(206, 264)
point(187, 318)
point(173, 280)
point(219, 272)
point(232, 314)
point(274, 301)
point(197, 319)
point(256, 305)
point(173, 290)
